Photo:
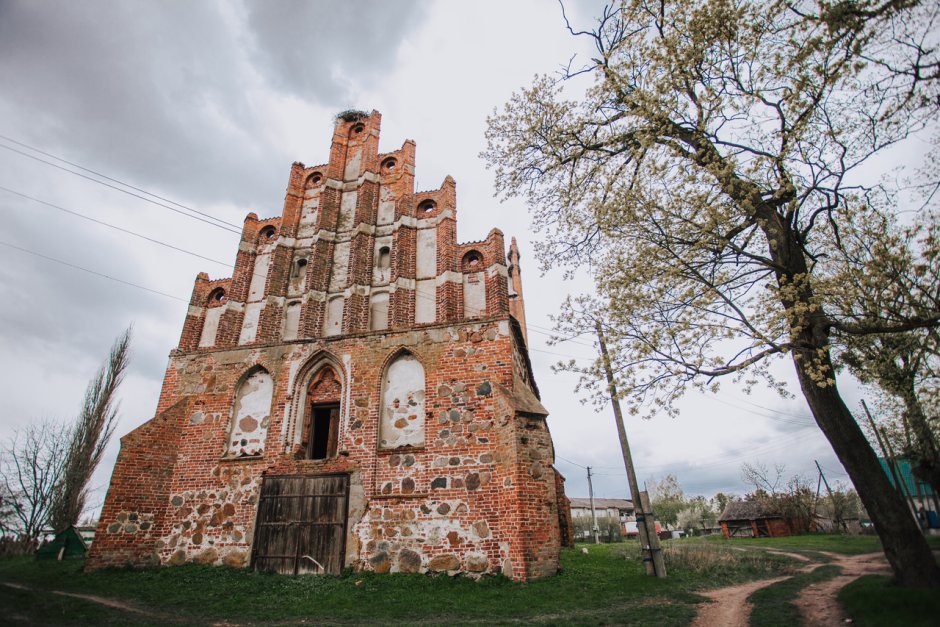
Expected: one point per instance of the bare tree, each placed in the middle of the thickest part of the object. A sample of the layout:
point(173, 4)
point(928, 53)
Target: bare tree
point(32, 466)
point(790, 498)
point(707, 177)
point(90, 436)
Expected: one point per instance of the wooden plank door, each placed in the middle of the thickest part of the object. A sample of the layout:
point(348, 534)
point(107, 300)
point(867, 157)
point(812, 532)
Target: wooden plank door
point(301, 524)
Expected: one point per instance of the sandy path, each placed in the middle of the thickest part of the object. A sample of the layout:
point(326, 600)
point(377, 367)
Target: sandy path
point(729, 606)
point(817, 602)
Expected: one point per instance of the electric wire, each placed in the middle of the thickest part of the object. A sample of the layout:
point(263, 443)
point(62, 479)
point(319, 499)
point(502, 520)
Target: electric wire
point(89, 271)
point(114, 180)
point(115, 227)
point(221, 224)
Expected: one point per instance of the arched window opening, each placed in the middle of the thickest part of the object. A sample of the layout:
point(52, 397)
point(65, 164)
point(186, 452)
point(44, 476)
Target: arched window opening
point(378, 311)
point(299, 270)
point(321, 426)
point(251, 415)
point(427, 206)
point(267, 233)
point(402, 419)
point(384, 262)
point(472, 261)
point(216, 297)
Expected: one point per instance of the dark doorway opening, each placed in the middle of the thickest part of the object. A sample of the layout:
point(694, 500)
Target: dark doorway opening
point(324, 429)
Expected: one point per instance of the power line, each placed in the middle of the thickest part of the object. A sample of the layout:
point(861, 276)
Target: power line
point(557, 456)
point(83, 269)
point(114, 180)
point(112, 226)
point(218, 223)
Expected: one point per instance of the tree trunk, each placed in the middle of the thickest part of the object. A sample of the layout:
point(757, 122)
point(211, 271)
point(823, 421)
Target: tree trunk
point(904, 544)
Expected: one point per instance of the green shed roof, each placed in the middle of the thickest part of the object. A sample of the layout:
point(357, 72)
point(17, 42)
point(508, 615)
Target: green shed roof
point(912, 485)
point(68, 542)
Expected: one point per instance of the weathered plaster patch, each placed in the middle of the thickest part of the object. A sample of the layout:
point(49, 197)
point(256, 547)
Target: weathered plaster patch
point(251, 415)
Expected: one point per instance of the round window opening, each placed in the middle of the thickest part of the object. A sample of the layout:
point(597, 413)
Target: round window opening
point(267, 232)
point(357, 129)
point(217, 296)
point(314, 179)
point(427, 206)
point(473, 260)
point(389, 164)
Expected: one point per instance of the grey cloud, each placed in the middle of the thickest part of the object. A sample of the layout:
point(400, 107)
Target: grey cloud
point(308, 48)
point(167, 93)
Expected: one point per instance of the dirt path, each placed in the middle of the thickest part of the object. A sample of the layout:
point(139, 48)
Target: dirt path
point(817, 602)
point(113, 603)
point(729, 606)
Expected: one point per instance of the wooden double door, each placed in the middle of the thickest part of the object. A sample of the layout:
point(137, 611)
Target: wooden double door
point(301, 524)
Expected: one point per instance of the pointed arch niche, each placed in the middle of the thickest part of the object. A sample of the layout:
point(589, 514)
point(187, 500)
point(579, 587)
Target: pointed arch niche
point(320, 436)
point(402, 410)
point(251, 414)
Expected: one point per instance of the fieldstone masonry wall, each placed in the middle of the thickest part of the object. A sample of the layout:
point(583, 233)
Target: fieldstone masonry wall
point(358, 295)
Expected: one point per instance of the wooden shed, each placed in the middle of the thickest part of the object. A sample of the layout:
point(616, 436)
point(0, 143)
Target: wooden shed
point(753, 519)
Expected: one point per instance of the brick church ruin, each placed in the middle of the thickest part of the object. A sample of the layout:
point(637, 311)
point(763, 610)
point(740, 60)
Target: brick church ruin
point(358, 394)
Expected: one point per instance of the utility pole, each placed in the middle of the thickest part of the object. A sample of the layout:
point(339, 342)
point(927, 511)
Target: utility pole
point(597, 540)
point(836, 516)
point(883, 445)
point(646, 524)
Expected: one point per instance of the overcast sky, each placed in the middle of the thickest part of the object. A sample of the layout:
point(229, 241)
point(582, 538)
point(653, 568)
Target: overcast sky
point(207, 104)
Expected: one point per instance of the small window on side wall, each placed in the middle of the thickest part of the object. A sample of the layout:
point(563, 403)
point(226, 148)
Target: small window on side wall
point(216, 298)
point(472, 261)
point(267, 234)
point(313, 180)
point(426, 206)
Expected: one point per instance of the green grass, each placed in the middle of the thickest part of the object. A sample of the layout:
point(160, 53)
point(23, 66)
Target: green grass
point(873, 600)
point(773, 605)
point(812, 543)
point(605, 586)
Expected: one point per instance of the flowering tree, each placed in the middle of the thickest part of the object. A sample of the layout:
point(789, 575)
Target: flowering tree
point(709, 178)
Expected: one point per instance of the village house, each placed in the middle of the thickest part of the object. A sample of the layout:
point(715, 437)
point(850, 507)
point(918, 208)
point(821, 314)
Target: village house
point(358, 394)
point(606, 511)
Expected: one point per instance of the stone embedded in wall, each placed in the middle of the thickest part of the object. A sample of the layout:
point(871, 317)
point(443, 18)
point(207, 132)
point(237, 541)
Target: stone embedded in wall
point(443, 563)
point(408, 561)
